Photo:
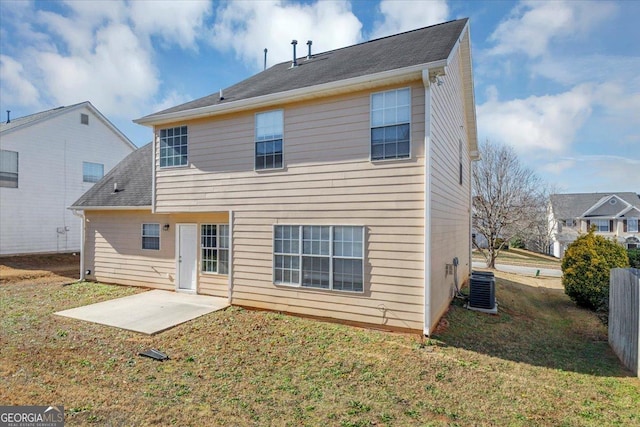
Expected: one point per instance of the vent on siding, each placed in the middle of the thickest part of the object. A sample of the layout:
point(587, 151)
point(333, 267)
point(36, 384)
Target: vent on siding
point(482, 292)
point(84, 119)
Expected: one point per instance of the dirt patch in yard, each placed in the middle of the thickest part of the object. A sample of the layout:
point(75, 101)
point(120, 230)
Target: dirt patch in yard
point(49, 268)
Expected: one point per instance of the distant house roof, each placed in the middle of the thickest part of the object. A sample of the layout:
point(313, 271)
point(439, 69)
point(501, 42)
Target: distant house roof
point(22, 122)
point(133, 177)
point(567, 206)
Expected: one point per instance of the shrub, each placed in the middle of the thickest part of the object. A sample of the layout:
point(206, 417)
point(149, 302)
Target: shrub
point(585, 269)
point(634, 257)
point(500, 241)
point(517, 242)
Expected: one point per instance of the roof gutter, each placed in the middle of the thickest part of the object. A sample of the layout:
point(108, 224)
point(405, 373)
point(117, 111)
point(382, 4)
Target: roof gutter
point(366, 81)
point(109, 208)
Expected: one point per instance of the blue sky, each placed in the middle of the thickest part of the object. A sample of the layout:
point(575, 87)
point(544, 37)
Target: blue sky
point(557, 80)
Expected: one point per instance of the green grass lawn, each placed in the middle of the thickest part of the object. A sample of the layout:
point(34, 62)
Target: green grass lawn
point(541, 361)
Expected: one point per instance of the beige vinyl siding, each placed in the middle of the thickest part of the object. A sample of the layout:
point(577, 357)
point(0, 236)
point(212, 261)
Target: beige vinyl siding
point(114, 251)
point(327, 179)
point(450, 201)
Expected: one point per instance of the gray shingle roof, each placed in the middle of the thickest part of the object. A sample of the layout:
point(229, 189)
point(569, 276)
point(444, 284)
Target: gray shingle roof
point(133, 176)
point(567, 206)
point(421, 46)
point(19, 121)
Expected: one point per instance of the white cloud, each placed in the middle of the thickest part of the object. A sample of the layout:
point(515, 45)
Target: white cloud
point(536, 123)
point(404, 15)
point(559, 166)
point(180, 22)
point(599, 173)
point(247, 28)
point(534, 24)
point(16, 87)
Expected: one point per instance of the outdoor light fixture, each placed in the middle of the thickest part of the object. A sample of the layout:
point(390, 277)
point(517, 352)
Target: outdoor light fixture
point(87, 272)
point(165, 227)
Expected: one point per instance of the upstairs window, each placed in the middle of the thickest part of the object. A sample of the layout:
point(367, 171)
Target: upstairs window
point(92, 172)
point(269, 140)
point(214, 243)
point(84, 119)
point(632, 225)
point(151, 236)
point(390, 124)
point(602, 225)
point(173, 147)
point(8, 169)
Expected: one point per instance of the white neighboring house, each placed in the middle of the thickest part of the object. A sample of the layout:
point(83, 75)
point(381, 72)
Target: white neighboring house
point(47, 161)
point(615, 216)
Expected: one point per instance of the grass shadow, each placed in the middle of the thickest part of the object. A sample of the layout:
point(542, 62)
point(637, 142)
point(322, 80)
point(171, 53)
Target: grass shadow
point(537, 326)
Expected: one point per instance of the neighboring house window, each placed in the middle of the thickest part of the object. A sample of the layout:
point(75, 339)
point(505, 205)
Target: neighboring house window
point(214, 241)
point(173, 147)
point(390, 124)
point(269, 129)
point(8, 169)
point(602, 225)
point(84, 119)
point(92, 172)
point(570, 222)
point(632, 225)
point(151, 236)
point(325, 257)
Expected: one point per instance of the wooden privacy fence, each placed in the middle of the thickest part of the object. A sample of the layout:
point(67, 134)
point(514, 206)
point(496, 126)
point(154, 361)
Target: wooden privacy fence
point(624, 316)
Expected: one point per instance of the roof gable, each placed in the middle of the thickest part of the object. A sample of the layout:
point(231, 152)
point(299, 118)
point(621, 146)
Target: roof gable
point(43, 116)
point(578, 205)
point(608, 206)
point(132, 176)
point(423, 46)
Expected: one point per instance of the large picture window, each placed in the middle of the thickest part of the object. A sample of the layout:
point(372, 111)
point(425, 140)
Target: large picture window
point(214, 243)
point(390, 124)
point(151, 236)
point(8, 169)
point(173, 147)
point(92, 172)
point(314, 256)
point(269, 140)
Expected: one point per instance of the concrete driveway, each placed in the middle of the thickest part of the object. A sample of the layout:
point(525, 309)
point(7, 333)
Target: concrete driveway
point(148, 312)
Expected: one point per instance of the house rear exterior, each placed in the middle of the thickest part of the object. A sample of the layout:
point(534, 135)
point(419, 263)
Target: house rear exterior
point(337, 187)
point(47, 161)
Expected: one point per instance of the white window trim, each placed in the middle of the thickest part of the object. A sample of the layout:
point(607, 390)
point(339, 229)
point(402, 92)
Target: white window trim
point(255, 140)
point(637, 220)
point(595, 221)
point(142, 236)
point(186, 165)
point(218, 248)
point(330, 256)
point(397, 159)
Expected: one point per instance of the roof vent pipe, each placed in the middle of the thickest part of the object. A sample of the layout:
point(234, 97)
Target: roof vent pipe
point(8, 116)
point(309, 43)
point(294, 63)
point(221, 95)
point(265, 58)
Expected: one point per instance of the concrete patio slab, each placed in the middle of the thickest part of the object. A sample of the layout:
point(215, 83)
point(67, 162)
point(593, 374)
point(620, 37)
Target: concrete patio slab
point(148, 312)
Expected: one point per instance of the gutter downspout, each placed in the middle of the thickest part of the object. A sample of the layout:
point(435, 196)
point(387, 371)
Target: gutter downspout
point(156, 140)
point(230, 276)
point(427, 201)
point(82, 234)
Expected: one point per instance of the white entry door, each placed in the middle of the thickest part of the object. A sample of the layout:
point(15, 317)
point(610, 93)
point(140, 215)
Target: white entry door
point(187, 257)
